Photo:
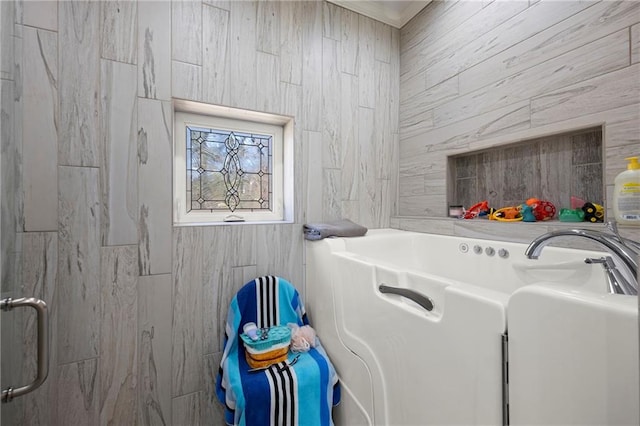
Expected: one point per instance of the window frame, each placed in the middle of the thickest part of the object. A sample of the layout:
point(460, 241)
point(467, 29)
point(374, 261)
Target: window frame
point(229, 119)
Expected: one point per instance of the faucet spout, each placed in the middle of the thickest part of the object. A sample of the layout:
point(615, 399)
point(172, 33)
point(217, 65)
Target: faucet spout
point(619, 250)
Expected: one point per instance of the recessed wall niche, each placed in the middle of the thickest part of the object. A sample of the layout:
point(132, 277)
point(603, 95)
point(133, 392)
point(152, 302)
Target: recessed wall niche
point(551, 168)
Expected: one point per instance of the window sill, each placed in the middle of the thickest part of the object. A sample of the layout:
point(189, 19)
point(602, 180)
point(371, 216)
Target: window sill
point(235, 223)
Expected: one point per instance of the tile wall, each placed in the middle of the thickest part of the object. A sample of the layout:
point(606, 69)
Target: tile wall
point(136, 304)
point(86, 129)
point(475, 75)
point(554, 168)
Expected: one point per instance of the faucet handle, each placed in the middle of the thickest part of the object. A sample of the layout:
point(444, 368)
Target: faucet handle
point(616, 282)
point(606, 261)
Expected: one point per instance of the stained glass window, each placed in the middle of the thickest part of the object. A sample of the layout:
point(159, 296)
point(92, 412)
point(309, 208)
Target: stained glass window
point(231, 165)
point(228, 170)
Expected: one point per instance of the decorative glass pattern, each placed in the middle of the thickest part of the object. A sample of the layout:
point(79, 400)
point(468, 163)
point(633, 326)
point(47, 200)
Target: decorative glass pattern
point(228, 170)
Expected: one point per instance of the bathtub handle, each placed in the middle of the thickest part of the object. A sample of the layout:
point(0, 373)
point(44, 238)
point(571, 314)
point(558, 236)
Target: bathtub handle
point(419, 298)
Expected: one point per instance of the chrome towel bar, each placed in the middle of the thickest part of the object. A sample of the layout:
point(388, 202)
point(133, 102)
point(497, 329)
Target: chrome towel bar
point(43, 344)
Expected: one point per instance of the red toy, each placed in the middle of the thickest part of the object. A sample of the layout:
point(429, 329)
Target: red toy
point(476, 209)
point(542, 210)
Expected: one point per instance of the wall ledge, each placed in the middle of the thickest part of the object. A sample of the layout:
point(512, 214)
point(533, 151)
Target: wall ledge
point(518, 232)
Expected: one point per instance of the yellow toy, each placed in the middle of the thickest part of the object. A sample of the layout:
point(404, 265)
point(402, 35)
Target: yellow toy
point(507, 214)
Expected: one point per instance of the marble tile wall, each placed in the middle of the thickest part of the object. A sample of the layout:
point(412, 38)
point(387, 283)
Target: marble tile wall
point(12, 323)
point(137, 306)
point(479, 75)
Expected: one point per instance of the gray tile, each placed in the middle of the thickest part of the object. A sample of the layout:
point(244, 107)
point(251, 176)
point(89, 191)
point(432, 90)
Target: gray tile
point(284, 256)
point(490, 31)
point(312, 66)
point(291, 104)
point(118, 335)
point(349, 127)
point(224, 249)
point(435, 22)
point(587, 148)
point(186, 332)
point(383, 42)
point(635, 43)
point(367, 167)
point(555, 170)
point(212, 408)
point(220, 4)
point(7, 59)
point(78, 404)
point(587, 25)
point(291, 29)
point(466, 193)
point(40, 105)
point(416, 109)
point(154, 368)
point(120, 31)
point(382, 120)
point(154, 186)
point(331, 100)
point(40, 14)
point(217, 56)
point(394, 101)
point(465, 166)
point(519, 165)
point(79, 84)
point(366, 65)
point(186, 80)
point(39, 267)
point(78, 264)
point(349, 43)
point(243, 68)
point(613, 90)
point(312, 145)
point(331, 194)
point(268, 80)
point(188, 410)
point(268, 26)
point(331, 20)
point(154, 49)
point(186, 45)
point(600, 57)
point(587, 183)
point(11, 205)
point(119, 168)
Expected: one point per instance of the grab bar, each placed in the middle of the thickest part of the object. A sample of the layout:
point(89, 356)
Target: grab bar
point(43, 344)
point(419, 298)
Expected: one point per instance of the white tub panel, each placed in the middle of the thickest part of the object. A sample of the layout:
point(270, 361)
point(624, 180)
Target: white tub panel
point(356, 405)
point(427, 368)
point(350, 412)
point(573, 357)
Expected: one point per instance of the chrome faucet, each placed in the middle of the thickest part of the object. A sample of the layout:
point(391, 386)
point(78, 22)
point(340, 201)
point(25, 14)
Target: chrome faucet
point(623, 251)
point(631, 244)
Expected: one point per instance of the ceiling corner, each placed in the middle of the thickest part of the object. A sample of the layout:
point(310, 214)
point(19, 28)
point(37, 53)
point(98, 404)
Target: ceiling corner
point(393, 12)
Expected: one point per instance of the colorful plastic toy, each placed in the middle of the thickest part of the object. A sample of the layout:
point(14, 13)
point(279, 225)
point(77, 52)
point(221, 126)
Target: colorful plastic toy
point(577, 203)
point(542, 210)
point(507, 214)
point(593, 212)
point(571, 215)
point(527, 213)
point(476, 210)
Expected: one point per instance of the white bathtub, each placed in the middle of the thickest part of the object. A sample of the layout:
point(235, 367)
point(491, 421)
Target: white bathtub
point(572, 348)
